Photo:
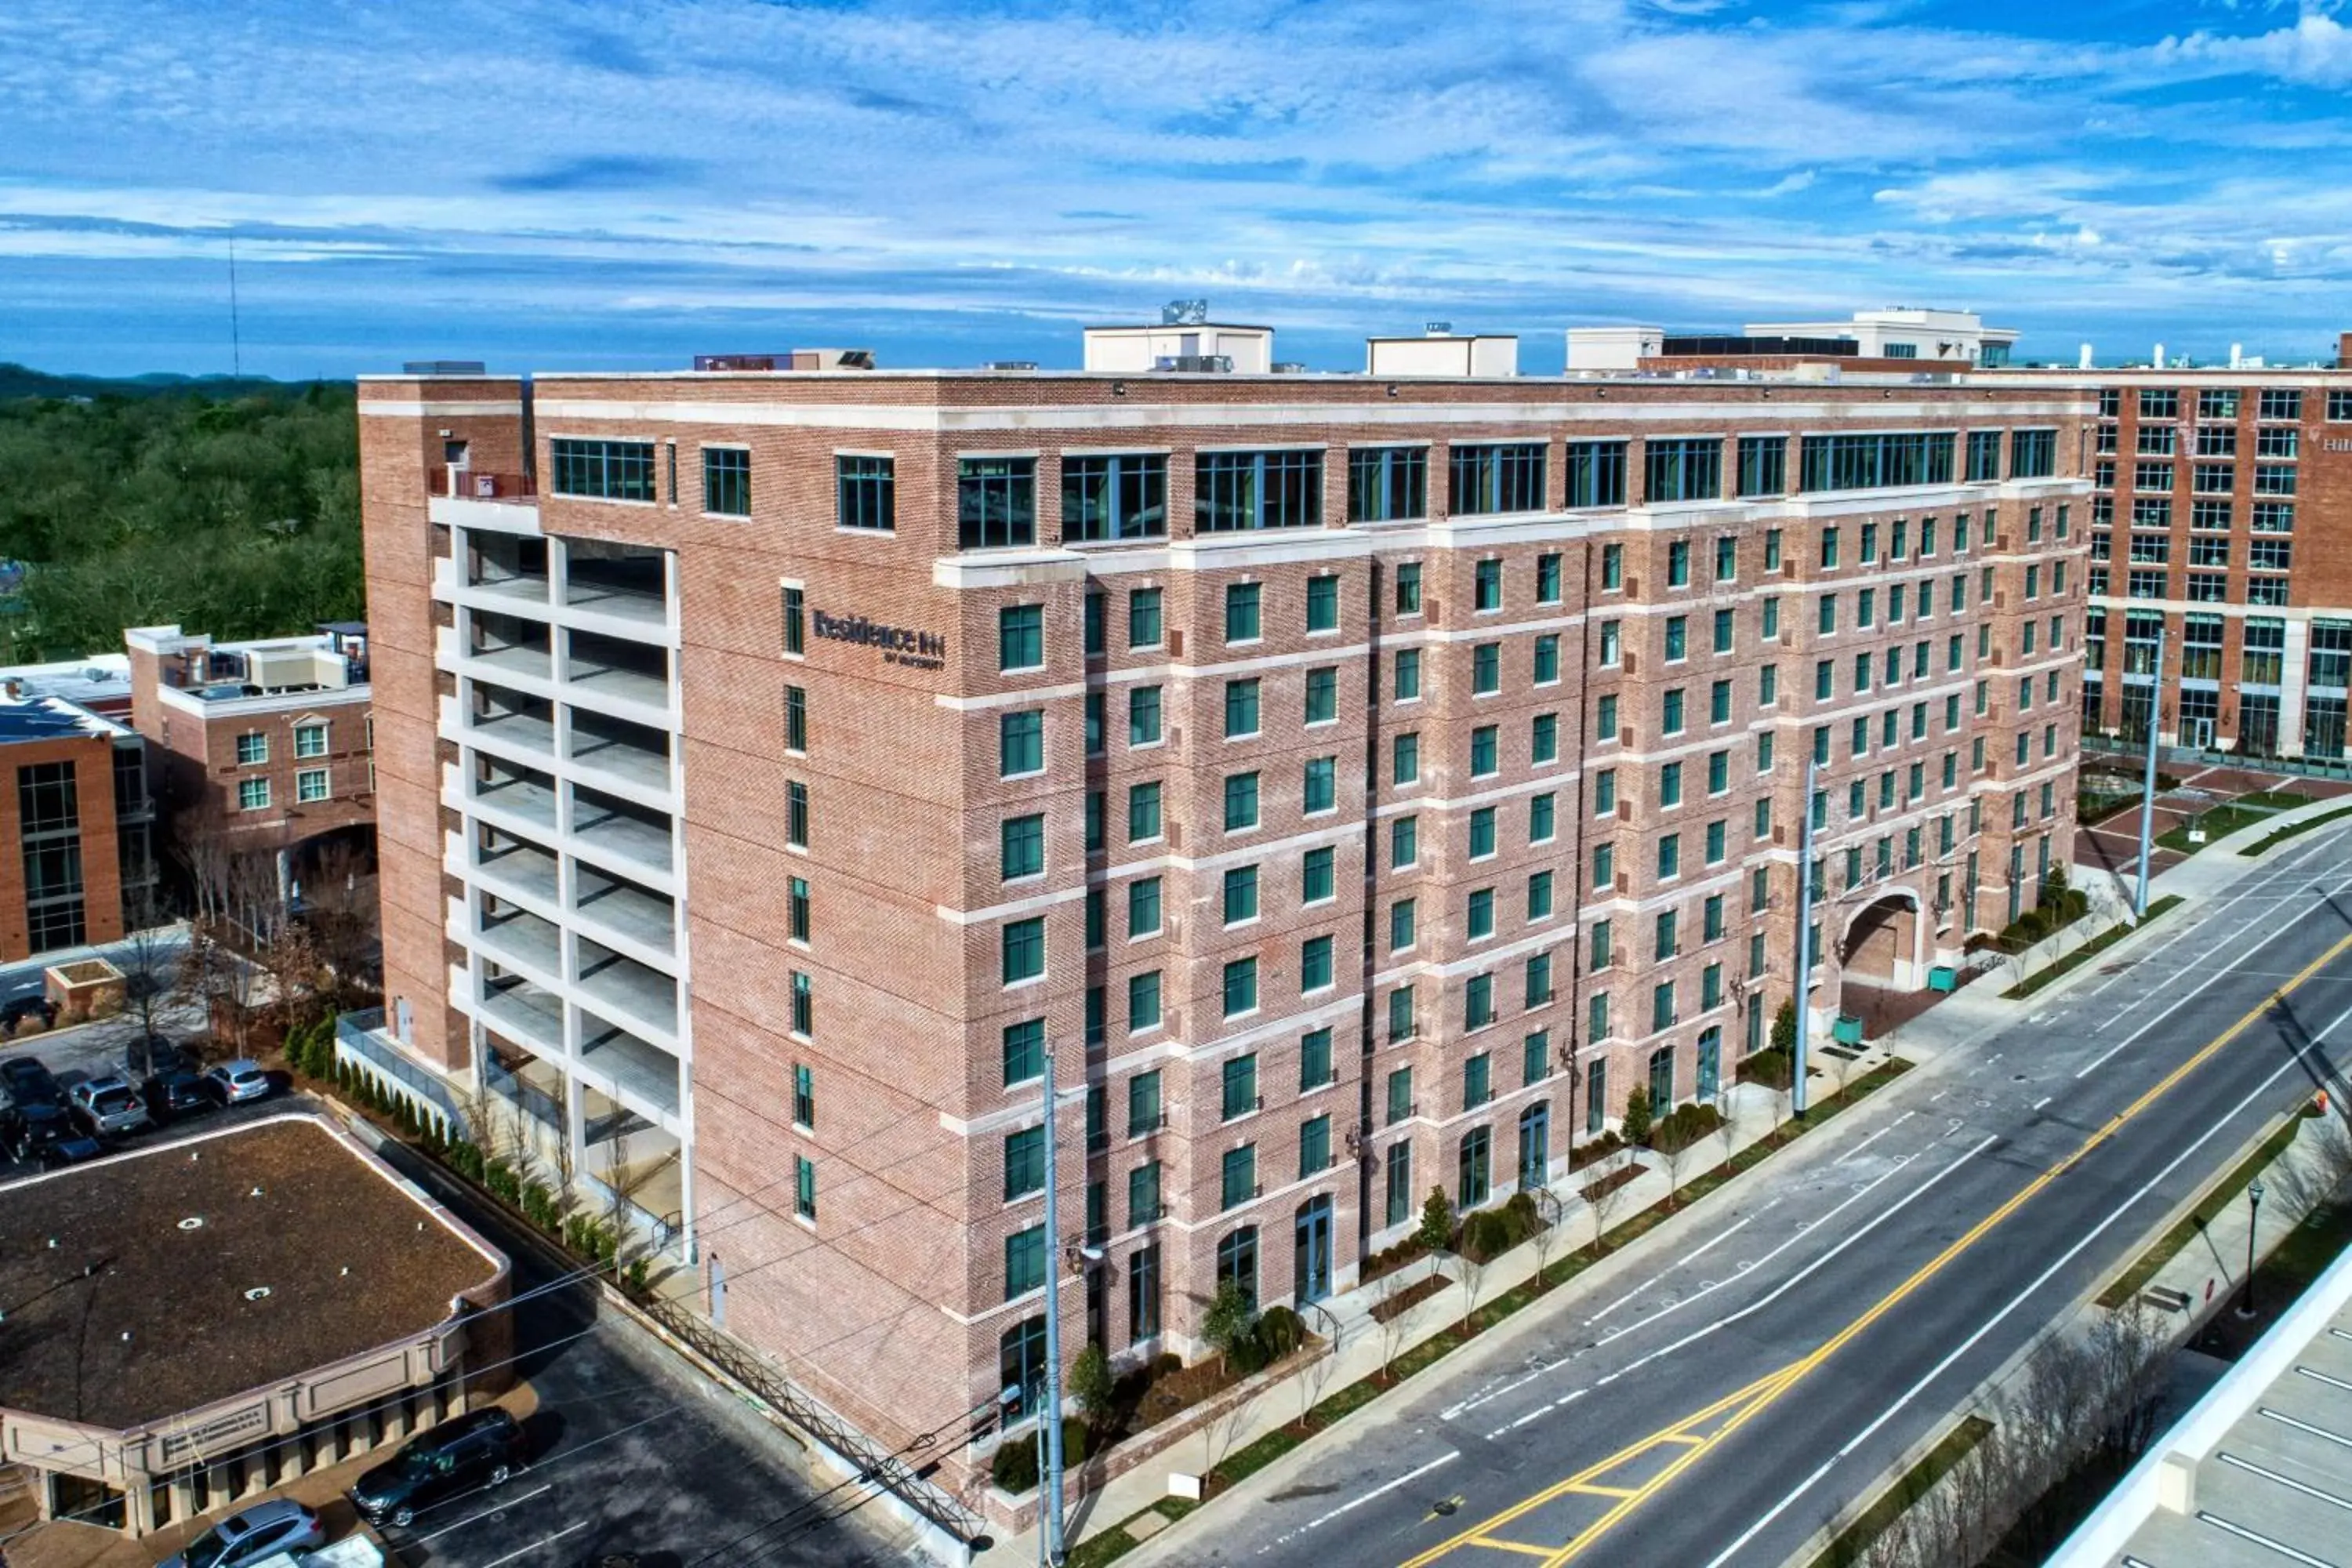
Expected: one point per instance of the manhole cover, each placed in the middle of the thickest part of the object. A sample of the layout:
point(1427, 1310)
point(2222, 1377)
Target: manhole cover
point(1444, 1506)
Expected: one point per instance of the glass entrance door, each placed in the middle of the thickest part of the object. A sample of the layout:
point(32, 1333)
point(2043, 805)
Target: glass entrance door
point(1312, 1264)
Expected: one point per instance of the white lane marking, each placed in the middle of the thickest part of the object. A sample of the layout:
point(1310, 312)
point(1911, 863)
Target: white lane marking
point(1692, 1256)
point(1548, 1368)
point(2042, 1102)
point(504, 1503)
point(2260, 883)
point(1873, 1138)
point(1540, 1412)
point(1410, 1476)
point(2213, 1128)
point(542, 1541)
point(2102, 1059)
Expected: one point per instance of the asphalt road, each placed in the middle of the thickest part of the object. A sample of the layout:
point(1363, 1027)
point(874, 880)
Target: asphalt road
point(633, 1453)
point(1717, 1412)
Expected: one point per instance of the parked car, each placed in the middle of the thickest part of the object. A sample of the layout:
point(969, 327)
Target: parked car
point(483, 1448)
point(243, 1540)
point(26, 1130)
point(109, 1107)
point(175, 1094)
point(155, 1057)
point(350, 1552)
point(74, 1148)
point(16, 1009)
point(30, 1083)
point(234, 1083)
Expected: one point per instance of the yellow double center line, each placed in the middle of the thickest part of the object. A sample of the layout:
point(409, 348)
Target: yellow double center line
point(1698, 1434)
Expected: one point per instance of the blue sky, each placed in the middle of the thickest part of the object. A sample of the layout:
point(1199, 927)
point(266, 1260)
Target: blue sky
point(548, 185)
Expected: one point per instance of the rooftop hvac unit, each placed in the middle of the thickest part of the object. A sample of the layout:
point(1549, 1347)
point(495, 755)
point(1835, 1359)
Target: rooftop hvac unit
point(1220, 364)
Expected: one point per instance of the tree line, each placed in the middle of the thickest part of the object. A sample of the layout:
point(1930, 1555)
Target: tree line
point(234, 513)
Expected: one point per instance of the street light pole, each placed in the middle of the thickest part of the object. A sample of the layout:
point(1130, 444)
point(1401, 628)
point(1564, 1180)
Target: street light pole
point(1051, 1416)
point(1804, 944)
point(2148, 783)
point(2254, 1214)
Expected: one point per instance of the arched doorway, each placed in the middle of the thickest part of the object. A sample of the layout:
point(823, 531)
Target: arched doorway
point(1881, 961)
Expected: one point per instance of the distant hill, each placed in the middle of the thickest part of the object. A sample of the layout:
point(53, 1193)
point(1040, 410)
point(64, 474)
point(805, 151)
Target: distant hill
point(22, 380)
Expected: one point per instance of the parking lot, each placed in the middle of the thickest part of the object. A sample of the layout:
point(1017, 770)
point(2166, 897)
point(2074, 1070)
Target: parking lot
point(630, 1451)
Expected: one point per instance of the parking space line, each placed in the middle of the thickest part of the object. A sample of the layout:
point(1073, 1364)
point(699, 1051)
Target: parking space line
point(542, 1541)
point(476, 1518)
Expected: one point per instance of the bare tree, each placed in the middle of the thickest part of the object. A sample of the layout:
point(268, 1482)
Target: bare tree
point(339, 906)
point(212, 977)
point(1396, 1326)
point(1545, 1239)
point(1672, 1141)
point(257, 901)
point(1605, 1196)
point(1314, 1374)
point(1473, 1282)
point(1727, 1127)
point(148, 957)
point(200, 840)
point(1219, 1431)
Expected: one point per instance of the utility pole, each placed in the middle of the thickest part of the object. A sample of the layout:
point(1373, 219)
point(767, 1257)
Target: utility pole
point(1804, 943)
point(1051, 1415)
point(2148, 783)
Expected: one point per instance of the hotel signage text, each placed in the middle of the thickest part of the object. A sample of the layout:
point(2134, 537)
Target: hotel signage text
point(900, 645)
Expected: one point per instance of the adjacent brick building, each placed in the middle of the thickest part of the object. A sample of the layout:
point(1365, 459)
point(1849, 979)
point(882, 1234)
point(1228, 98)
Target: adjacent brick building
point(269, 742)
point(78, 815)
point(2222, 514)
point(1360, 784)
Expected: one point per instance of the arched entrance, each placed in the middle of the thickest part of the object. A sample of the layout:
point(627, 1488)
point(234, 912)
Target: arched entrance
point(1882, 961)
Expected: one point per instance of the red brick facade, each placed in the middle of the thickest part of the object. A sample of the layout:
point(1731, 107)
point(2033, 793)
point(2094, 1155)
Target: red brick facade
point(1951, 684)
point(2222, 512)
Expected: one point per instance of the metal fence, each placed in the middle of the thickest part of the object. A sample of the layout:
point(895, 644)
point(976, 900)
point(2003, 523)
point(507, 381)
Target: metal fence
point(2188, 756)
point(359, 1042)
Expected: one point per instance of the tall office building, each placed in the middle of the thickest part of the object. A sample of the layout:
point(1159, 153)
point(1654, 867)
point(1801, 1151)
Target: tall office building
point(1357, 784)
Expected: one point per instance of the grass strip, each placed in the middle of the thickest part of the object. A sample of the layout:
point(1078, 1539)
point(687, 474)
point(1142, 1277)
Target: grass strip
point(2219, 823)
point(2130, 1282)
point(1851, 1544)
point(2087, 952)
point(1109, 1545)
point(2273, 840)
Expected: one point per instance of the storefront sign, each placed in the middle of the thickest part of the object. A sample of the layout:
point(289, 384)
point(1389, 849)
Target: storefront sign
point(900, 645)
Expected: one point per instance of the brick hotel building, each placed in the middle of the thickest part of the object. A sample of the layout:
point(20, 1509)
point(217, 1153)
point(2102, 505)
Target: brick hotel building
point(1360, 783)
point(2223, 513)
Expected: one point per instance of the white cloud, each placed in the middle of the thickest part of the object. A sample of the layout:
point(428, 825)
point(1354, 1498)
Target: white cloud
point(2315, 52)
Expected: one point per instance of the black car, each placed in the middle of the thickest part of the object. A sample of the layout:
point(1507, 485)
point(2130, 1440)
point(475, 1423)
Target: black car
point(158, 1057)
point(30, 1083)
point(478, 1449)
point(28, 1130)
point(70, 1151)
point(175, 1093)
point(16, 1009)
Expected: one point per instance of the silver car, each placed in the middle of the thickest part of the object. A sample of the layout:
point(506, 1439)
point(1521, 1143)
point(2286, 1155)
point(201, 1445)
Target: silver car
point(108, 1106)
point(234, 1083)
point(244, 1538)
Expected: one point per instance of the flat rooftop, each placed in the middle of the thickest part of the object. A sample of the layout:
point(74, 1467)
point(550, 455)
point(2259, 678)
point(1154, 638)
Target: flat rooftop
point(2259, 1472)
point(121, 1313)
